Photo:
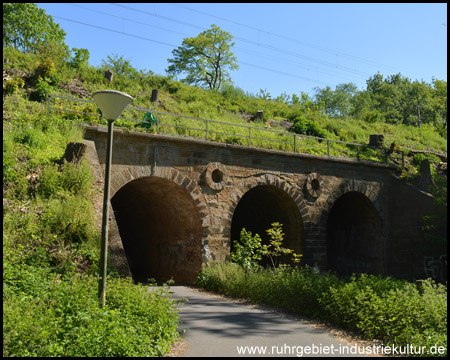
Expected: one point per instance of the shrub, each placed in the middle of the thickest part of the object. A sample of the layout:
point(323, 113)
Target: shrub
point(419, 157)
point(248, 251)
point(43, 90)
point(70, 219)
point(50, 181)
point(76, 178)
point(46, 68)
point(10, 86)
point(61, 317)
point(387, 309)
point(308, 127)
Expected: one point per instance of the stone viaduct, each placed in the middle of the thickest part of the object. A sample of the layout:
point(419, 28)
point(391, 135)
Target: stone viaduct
point(178, 203)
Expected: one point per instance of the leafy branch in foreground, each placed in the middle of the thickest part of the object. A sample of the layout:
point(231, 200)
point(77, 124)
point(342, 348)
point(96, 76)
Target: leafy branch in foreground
point(249, 251)
point(275, 248)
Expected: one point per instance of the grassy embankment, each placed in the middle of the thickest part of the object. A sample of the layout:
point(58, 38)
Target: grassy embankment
point(51, 251)
point(50, 241)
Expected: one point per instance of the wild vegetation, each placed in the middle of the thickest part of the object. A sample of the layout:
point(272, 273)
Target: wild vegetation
point(51, 241)
point(394, 311)
point(51, 252)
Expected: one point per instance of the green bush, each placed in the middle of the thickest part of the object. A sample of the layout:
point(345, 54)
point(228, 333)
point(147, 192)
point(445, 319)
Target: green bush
point(50, 181)
point(70, 219)
point(76, 178)
point(49, 308)
point(419, 157)
point(248, 251)
point(56, 316)
point(42, 90)
point(387, 309)
point(10, 86)
point(73, 178)
point(308, 127)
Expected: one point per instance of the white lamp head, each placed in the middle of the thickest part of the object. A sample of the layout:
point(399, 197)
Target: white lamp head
point(112, 103)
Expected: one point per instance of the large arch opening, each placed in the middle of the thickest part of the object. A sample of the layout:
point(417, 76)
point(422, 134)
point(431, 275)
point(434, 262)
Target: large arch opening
point(160, 229)
point(259, 208)
point(354, 236)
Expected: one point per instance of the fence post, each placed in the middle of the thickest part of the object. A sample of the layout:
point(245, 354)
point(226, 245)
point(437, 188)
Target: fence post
point(48, 107)
point(206, 121)
point(328, 148)
point(154, 97)
point(249, 136)
point(357, 149)
point(259, 115)
point(295, 143)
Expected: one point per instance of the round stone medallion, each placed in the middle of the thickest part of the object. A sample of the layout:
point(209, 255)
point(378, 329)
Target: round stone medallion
point(313, 185)
point(215, 176)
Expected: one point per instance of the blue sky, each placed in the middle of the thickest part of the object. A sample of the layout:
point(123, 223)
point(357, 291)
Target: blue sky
point(281, 48)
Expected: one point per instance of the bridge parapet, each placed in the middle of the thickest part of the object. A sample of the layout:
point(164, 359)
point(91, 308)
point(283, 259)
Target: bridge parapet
point(233, 186)
point(219, 131)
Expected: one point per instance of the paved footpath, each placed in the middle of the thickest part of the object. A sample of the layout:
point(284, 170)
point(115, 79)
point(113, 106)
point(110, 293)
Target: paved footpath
point(218, 327)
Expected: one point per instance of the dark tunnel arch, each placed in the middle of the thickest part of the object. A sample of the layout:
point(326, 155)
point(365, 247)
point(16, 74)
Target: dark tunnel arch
point(259, 208)
point(355, 236)
point(160, 229)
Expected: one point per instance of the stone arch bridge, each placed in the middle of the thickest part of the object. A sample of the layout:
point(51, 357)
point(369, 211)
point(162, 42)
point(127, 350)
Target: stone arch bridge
point(179, 203)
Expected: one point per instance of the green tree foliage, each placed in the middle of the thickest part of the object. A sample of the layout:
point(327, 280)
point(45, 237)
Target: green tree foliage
point(264, 94)
point(205, 59)
point(394, 99)
point(119, 65)
point(337, 102)
point(439, 105)
point(249, 251)
point(397, 98)
point(26, 27)
point(80, 58)
point(307, 127)
point(275, 248)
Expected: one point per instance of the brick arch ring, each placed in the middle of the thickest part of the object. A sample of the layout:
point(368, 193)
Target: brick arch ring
point(273, 180)
point(361, 188)
point(120, 179)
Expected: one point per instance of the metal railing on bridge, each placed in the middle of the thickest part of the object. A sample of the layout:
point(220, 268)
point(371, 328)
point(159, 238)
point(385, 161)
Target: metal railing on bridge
point(86, 111)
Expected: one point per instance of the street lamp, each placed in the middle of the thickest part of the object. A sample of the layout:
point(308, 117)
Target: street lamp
point(111, 103)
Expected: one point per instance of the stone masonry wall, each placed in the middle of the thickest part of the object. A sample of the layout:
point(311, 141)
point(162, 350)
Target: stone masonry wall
point(218, 175)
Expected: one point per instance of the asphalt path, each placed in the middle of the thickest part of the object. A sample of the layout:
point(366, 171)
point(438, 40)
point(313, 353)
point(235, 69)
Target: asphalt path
point(219, 327)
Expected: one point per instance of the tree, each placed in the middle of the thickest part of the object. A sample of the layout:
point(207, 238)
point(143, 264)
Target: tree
point(249, 250)
point(264, 94)
point(283, 98)
point(439, 101)
point(419, 94)
point(338, 102)
point(205, 59)
point(275, 248)
point(386, 97)
point(80, 58)
point(361, 104)
point(344, 93)
point(324, 99)
point(27, 27)
point(119, 66)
